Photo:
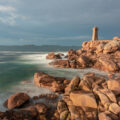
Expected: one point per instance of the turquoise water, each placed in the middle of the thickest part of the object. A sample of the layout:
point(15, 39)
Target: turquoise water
point(12, 71)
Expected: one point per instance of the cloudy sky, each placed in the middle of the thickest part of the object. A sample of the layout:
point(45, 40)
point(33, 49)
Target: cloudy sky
point(62, 22)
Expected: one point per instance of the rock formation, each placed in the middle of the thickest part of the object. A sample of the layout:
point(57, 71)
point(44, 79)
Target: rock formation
point(93, 97)
point(101, 54)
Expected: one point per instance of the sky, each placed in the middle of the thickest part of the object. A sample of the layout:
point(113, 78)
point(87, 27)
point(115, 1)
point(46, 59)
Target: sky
point(57, 22)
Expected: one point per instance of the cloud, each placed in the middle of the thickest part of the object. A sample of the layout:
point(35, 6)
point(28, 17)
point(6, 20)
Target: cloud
point(52, 20)
point(6, 8)
point(9, 16)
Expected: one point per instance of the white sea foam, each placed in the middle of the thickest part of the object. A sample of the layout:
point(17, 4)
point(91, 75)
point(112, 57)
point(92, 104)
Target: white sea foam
point(33, 59)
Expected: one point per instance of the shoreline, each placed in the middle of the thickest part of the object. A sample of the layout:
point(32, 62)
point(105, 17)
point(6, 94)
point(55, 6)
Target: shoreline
point(65, 106)
point(88, 94)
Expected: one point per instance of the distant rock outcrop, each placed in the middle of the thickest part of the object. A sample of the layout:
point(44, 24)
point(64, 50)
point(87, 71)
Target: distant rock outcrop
point(101, 54)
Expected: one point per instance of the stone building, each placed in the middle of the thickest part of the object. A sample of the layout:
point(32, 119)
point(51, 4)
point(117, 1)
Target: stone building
point(95, 33)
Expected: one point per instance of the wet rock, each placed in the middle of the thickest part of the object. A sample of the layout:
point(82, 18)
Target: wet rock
point(55, 84)
point(61, 63)
point(52, 55)
point(42, 78)
point(17, 100)
point(83, 98)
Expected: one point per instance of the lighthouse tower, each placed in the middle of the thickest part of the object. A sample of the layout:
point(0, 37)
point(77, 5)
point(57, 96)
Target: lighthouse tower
point(95, 33)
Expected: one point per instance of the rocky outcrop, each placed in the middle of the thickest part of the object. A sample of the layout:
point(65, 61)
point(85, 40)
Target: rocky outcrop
point(100, 54)
point(108, 64)
point(111, 46)
point(55, 84)
point(93, 97)
point(52, 55)
point(60, 63)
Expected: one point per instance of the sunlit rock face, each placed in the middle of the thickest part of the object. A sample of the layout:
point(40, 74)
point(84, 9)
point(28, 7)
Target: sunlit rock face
point(100, 54)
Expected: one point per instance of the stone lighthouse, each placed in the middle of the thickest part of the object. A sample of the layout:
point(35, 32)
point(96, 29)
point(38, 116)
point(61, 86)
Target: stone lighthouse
point(95, 33)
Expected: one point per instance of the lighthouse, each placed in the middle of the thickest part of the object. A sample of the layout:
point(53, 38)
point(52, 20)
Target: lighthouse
point(95, 33)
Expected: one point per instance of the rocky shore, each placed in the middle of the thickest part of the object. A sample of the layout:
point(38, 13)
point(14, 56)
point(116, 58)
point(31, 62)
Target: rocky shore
point(93, 97)
point(99, 54)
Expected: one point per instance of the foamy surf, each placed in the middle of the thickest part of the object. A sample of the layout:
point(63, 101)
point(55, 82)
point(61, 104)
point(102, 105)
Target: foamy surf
point(39, 60)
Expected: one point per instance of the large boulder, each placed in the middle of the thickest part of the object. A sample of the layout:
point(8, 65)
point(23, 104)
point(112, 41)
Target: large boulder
point(55, 84)
point(17, 100)
point(108, 64)
point(114, 85)
point(41, 79)
point(83, 98)
point(111, 46)
point(61, 63)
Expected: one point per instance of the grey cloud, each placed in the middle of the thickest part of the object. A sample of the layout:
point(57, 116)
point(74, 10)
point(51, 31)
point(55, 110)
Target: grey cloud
point(53, 20)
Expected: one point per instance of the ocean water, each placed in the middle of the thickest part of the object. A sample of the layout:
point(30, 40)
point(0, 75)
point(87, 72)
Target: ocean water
point(17, 69)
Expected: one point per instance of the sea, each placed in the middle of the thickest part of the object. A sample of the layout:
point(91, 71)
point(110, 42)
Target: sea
point(19, 63)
